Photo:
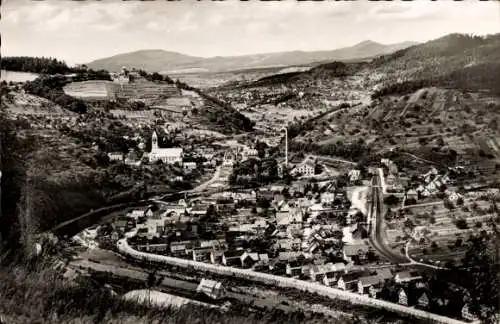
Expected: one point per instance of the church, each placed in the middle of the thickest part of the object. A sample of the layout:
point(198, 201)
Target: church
point(166, 155)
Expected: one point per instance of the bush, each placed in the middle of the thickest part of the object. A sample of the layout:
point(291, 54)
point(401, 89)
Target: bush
point(461, 223)
point(391, 200)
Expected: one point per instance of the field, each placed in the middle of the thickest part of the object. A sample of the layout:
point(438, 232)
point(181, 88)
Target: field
point(26, 104)
point(439, 231)
point(91, 90)
point(148, 92)
point(268, 117)
point(210, 80)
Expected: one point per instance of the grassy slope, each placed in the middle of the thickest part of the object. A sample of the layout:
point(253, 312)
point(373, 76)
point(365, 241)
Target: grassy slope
point(42, 296)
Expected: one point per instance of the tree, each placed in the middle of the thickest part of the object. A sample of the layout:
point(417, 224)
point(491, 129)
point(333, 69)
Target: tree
point(338, 235)
point(391, 200)
point(211, 211)
point(434, 246)
point(286, 193)
point(318, 168)
point(448, 204)
point(358, 217)
point(263, 203)
point(481, 277)
point(409, 224)
point(410, 201)
point(261, 148)
point(461, 223)
point(151, 280)
point(156, 77)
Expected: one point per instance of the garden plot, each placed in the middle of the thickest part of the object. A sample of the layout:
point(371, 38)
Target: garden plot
point(440, 230)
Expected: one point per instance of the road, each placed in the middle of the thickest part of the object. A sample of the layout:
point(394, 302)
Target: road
point(206, 184)
point(284, 282)
point(378, 237)
point(198, 189)
point(413, 261)
point(330, 159)
point(435, 203)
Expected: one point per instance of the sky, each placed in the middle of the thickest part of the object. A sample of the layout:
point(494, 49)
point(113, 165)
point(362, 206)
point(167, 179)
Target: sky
point(82, 31)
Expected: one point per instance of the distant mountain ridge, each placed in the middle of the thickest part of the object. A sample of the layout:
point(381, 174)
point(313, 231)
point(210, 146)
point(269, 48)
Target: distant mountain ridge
point(165, 61)
point(440, 56)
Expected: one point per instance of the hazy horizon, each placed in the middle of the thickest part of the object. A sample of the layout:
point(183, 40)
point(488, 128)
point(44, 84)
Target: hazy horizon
point(80, 32)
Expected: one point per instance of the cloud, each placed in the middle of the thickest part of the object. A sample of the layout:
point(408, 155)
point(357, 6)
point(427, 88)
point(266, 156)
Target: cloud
point(392, 9)
point(83, 30)
point(47, 16)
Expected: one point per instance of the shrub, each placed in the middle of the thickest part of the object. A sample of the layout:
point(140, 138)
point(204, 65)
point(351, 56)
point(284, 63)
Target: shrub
point(391, 200)
point(461, 223)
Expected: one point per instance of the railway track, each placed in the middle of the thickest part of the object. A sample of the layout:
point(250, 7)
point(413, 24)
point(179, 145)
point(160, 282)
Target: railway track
point(376, 238)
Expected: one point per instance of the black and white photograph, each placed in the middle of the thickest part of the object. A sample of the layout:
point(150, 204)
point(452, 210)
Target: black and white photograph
point(249, 162)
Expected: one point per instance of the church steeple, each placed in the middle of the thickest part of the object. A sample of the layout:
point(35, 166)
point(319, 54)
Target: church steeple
point(154, 141)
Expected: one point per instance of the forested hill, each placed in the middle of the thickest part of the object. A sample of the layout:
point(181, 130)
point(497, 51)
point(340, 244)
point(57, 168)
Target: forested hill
point(43, 65)
point(481, 77)
point(439, 57)
point(218, 115)
point(323, 71)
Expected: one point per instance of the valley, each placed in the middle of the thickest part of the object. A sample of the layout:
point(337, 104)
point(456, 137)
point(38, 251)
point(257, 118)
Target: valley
point(347, 181)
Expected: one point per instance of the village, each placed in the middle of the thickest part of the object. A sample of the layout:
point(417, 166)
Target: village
point(311, 223)
point(246, 201)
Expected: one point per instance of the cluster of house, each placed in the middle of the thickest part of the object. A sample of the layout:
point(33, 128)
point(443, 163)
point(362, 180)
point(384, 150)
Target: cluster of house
point(404, 287)
point(391, 181)
point(174, 228)
point(432, 183)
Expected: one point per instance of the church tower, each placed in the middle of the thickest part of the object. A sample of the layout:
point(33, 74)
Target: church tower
point(154, 141)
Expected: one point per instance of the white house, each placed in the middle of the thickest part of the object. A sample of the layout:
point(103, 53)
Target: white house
point(306, 168)
point(211, 288)
point(318, 271)
point(166, 155)
point(189, 166)
point(406, 276)
point(289, 216)
point(155, 226)
point(354, 175)
point(177, 209)
point(116, 156)
point(327, 197)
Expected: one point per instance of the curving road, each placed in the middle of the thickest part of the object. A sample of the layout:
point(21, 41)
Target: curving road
point(415, 262)
point(378, 238)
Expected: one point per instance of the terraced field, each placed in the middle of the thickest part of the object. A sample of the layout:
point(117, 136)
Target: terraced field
point(26, 104)
point(148, 92)
point(91, 90)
